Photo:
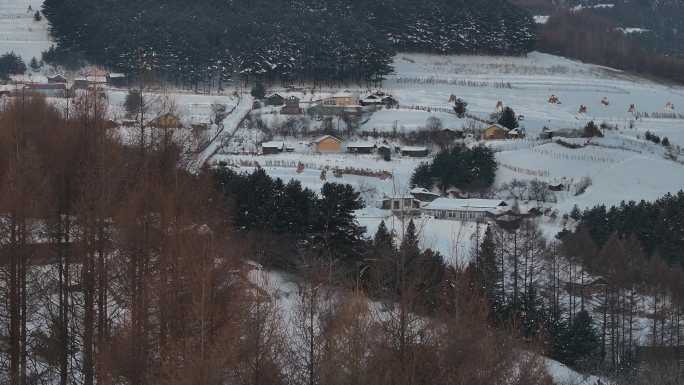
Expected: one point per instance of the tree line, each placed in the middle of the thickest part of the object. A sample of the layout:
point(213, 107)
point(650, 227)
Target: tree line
point(319, 40)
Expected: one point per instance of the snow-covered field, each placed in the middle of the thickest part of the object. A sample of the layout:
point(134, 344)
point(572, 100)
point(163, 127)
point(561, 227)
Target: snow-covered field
point(19, 32)
point(429, 80)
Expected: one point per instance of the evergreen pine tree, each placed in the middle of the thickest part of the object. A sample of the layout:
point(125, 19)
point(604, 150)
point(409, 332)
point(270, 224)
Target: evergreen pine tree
point(422, 176)
point(258, 91)
point(35, 66)
point(575, 213)
point(508, 118)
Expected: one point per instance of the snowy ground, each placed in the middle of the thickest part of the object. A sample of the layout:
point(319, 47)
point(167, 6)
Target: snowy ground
point(19, 33)
point(621, 166)
point(429, 80)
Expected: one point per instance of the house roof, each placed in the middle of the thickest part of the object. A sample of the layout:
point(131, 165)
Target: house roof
point(116, 75)
point(413, 149)
point(361, 144)
point(273, 144)
point(497, 125)
point(421, 190)
point(324, 137)
point(466, 204)
point(49, 86)
point(274, 96)
point(342, 94)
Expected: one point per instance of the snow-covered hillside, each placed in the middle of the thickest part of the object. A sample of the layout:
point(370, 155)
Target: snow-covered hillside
point(19, 32)
point(526, 83)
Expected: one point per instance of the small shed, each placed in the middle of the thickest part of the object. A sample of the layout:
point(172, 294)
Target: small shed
point(361, 147)
point(495, 131)
point(327, 144)
point(414, 152)
point(268, 148)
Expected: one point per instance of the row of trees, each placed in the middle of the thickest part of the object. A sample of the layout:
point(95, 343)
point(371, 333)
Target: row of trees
point(118, 266)
point(657, 225)
point(328, 40)
point(593, 306)
point(11, 64)
point(466, 169)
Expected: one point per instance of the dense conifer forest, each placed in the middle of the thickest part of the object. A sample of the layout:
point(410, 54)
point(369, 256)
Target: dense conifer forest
point(300, 39)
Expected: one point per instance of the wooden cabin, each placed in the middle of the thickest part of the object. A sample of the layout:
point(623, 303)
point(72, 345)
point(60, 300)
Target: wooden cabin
point(327, 144)
point(495, 131)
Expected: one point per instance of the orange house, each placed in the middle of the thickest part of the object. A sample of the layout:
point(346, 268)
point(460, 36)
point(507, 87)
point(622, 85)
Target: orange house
point(327, 143)
point(167, 120)
point(495, 131)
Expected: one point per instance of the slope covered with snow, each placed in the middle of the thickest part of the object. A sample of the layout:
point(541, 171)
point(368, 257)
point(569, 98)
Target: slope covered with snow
point(19, 32)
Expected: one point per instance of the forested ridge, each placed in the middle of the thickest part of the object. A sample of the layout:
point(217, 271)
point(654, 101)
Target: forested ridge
point(298, 39)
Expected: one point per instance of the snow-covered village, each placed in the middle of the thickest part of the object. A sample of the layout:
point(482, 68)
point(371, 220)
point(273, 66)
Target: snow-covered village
point(325, 192)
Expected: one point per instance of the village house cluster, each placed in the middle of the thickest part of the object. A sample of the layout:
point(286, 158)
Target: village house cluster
point(59, 86)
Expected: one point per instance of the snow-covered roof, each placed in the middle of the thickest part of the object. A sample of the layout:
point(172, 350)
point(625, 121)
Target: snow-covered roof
point(117, 75)
point(421, 190)
point(273, 144)
point(497, 125)
point(361, 144)
point(465, 204)
point(413, 148)
point(342, 94)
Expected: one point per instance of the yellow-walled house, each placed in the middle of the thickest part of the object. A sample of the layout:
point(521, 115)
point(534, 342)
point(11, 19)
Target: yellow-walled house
point(341, 99)
point(495, 131)
point(167, 120)
point(327, 144)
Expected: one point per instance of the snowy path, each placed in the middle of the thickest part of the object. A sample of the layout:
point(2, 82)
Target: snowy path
point(231, 125)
